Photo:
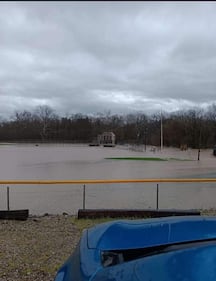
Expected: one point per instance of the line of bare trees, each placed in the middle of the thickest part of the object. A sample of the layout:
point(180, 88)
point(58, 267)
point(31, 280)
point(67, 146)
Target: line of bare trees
point(194, 128)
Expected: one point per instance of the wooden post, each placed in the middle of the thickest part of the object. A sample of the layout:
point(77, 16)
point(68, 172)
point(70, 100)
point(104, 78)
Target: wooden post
point(8, 199)
point(84, 197)
point(157, 196)
point(198, 158)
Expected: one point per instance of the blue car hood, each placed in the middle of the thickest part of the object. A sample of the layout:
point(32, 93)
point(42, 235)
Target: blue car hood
point(189, 253)
point(127, 234)
point(193, 264)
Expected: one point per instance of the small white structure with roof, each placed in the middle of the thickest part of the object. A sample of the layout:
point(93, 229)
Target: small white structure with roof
point(107, 139)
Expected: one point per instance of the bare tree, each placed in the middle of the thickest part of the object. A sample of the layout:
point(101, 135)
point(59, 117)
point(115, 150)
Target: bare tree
point(45, 114)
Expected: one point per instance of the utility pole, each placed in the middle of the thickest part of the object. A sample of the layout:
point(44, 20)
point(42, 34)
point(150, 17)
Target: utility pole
point(161, 132)
point(198, 158)
point(145, 137)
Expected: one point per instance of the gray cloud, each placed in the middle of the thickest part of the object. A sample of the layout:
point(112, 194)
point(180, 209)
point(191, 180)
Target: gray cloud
point(94, 56)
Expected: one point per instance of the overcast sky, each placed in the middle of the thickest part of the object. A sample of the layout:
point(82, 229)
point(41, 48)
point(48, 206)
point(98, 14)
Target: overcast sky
point(89, 57)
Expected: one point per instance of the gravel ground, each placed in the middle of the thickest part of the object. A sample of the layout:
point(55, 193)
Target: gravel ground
point(33, 250)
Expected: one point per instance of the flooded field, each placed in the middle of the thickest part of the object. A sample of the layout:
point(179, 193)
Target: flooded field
point(70, 162)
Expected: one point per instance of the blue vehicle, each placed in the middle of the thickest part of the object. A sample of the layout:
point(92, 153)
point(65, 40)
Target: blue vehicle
point(162, 249)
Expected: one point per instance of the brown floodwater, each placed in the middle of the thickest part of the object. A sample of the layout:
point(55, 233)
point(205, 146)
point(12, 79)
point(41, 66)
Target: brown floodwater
point(69, 162)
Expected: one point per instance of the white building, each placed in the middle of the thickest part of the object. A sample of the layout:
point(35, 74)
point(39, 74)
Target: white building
point(107, 139)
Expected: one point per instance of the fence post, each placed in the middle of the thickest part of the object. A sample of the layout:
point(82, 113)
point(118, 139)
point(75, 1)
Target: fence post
point(8, 199)
point(157, 196)
point(84, 197)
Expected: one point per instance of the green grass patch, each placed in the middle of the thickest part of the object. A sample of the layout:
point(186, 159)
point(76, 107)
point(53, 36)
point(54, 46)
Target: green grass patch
point(138, 158)
point(147, 159)
point(179, 159)
point(82, 224)
point(86, 223)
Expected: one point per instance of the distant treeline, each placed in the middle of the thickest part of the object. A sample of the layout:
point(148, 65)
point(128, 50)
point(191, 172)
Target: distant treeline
point(194, 128)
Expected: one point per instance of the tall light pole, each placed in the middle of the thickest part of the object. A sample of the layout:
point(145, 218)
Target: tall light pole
point(198, 158)
point(145, 135)
point(161, 131)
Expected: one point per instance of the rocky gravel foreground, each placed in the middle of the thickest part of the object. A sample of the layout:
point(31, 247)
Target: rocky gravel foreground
point(34, 249)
